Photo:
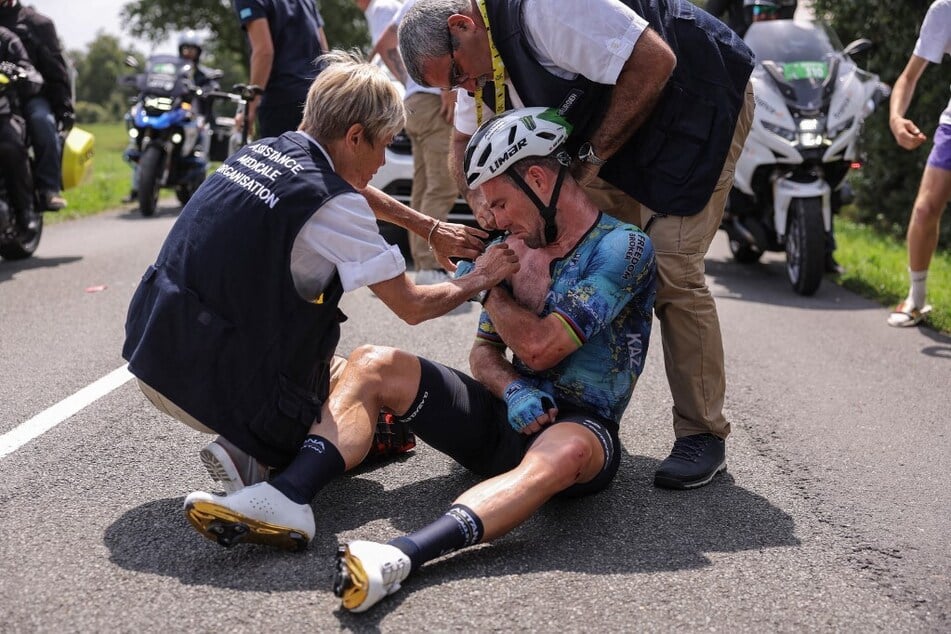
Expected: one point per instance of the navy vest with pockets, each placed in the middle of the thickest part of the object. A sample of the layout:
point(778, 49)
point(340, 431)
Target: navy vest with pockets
point(673, 161)
point(216, 324)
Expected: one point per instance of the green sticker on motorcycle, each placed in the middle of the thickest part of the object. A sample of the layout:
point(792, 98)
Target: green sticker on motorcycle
point(805, 70)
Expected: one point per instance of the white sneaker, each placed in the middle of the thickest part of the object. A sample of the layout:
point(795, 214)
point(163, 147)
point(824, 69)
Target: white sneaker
point(431, 276)
point(367, 572)
point(231, 467)
point(257, 514)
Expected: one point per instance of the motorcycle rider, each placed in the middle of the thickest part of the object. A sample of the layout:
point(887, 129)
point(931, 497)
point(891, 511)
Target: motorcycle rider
point(190, 45)
point(14, 161)
point(49, 113)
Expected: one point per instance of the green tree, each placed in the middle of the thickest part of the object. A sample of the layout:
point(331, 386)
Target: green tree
point(156, 20)
point(345, 25)
point(888, 182)
point(97, 71)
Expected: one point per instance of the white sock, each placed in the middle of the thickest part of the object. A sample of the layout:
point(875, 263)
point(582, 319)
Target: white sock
point(916, 294)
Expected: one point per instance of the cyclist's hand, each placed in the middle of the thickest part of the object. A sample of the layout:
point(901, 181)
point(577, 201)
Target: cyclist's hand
point(530, 404)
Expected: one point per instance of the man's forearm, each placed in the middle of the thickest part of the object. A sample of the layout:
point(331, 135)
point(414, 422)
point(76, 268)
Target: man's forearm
point(488, 365)
point(638, 89)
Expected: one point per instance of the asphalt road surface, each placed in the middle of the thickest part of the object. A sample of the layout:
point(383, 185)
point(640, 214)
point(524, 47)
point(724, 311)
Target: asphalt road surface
point(834, 514)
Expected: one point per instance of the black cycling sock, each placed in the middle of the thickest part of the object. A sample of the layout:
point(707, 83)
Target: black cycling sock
point(317, 463)
point(458, 528)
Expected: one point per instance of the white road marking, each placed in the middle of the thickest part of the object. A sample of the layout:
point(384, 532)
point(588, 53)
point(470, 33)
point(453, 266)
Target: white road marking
point(53, 416)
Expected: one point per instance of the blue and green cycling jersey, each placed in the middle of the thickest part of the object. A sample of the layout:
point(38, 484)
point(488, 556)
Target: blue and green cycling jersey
point(603, 292)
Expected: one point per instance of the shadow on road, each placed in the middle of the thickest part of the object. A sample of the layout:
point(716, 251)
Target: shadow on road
point(766, 283)
point(164, 208)
point(942, 349)
point(9, 268)
point(630, 528)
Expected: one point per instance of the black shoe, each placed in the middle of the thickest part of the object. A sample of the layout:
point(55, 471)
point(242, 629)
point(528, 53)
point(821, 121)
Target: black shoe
point(692, 462)
point(52, 200)
point(132, 197)
point(832, 266)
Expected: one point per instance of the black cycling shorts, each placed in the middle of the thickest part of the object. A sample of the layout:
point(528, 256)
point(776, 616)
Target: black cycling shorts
point(458, 416)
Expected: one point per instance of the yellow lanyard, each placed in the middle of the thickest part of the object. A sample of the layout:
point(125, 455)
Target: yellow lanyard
point(498, 71)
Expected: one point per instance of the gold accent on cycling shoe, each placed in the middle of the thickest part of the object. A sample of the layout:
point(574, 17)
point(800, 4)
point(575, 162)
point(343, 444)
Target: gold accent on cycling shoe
point(351, 583)
point(227, 527)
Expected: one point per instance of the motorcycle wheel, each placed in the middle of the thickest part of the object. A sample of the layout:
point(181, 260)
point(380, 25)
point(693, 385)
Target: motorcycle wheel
point(150, 166)
point(184, 193)
point(23, 245)
point(805, 245)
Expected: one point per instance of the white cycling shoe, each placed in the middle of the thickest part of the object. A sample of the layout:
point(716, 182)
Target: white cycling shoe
point(366, 572)
point(258, 514)
point(231, 467)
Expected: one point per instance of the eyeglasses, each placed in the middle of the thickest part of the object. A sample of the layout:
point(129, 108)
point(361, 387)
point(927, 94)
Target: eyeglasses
point(455, 77)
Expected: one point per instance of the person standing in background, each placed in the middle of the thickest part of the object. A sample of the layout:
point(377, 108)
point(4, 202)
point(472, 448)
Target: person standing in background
point(379, 15)
point(429, 118)
point(934, 192)
point(286, 36)
point(49, 114)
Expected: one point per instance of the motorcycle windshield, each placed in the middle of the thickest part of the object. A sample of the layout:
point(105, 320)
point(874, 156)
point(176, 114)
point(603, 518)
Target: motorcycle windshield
point(799, 55)
point(166, 76)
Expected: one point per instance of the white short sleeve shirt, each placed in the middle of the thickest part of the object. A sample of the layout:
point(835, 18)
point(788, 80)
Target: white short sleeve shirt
point(934, 41)
point(342, 235)
point(411, 86)
point(594, 41)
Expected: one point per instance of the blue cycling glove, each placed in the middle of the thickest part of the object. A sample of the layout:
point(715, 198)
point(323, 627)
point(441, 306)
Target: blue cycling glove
point(527, 399)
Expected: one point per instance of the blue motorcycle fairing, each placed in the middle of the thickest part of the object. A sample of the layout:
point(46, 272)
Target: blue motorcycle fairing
point(178, 116)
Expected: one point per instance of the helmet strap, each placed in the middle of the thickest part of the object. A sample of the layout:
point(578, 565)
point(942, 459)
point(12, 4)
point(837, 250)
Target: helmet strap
point(547, 212)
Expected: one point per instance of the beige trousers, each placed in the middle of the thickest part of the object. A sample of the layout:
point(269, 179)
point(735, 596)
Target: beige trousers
point(689, 326)
point(434, 190)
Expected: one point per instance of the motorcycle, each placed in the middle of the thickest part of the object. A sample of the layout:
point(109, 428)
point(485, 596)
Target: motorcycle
point(168, 141)
point(790, 180)
point(17, 242)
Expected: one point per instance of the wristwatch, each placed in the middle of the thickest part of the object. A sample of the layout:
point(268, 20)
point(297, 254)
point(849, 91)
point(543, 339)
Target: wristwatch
point(586, 154)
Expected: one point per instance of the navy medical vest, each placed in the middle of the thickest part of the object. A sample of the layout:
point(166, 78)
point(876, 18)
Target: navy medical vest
point(673, 161)
point(216, 324)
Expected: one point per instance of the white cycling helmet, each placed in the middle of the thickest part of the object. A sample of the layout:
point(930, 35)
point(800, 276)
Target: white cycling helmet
point(511, 136)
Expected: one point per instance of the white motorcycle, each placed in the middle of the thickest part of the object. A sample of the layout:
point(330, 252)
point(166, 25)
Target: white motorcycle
point(811, 103)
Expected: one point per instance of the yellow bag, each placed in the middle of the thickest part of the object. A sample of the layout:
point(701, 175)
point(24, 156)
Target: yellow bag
point(77, 157)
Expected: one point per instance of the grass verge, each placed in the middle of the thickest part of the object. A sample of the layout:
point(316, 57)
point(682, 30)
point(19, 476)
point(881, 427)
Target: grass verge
point(877, 268)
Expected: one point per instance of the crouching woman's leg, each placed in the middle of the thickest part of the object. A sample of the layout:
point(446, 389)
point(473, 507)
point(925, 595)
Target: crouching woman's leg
point(278, 512)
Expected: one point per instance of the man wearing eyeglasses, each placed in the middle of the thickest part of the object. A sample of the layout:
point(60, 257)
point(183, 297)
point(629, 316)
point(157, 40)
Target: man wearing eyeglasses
point(659, 96)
